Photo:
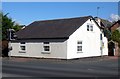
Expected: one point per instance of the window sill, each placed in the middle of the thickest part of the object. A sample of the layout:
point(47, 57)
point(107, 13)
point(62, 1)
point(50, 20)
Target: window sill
point(45, 52)
point(22, 51)
point(79, 52)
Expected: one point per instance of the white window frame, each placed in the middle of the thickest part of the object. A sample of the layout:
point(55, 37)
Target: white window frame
point(79, 46)
point(46, 44)
point(23, 48)
point(89, 27)
point(46, 48)
point(20, 47)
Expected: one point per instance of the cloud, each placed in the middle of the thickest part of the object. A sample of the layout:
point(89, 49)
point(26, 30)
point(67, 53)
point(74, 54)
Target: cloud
point(114, 17)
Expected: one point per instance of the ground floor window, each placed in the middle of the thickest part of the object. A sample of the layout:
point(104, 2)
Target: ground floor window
point(79, 46)
point(46, 48)
point(22, 47)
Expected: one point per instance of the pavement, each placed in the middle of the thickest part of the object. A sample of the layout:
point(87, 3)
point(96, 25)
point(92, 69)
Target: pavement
point(84, 67)
point(25, 59)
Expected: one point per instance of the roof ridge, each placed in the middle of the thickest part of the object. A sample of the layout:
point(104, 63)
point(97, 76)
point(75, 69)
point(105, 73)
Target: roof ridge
point(63, 18)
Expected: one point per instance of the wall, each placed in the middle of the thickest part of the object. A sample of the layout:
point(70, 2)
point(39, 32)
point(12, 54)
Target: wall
point(91, 42)
point(4, 48)
point(35, 49)
point(105, 46)
point(114, 27)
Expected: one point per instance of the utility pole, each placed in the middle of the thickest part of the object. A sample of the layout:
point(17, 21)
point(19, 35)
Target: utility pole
point(98, 10)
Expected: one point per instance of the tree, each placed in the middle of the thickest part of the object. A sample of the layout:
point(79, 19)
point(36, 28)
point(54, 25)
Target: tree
point(0, 26)
point(116, 36)
point(107, 33)
point(8, 23)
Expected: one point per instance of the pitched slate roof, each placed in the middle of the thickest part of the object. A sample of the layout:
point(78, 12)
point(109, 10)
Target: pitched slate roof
point(106, 23)
point(59, 28)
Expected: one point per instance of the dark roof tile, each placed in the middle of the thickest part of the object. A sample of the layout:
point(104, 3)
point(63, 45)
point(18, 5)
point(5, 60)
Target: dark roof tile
point(59, 28)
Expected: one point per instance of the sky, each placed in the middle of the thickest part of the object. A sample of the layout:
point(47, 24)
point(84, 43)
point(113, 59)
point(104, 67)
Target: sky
point(25, 13)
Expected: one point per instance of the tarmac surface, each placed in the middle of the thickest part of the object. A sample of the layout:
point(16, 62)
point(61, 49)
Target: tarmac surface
point(44, 68)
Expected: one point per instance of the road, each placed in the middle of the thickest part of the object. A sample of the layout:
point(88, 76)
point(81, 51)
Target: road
point(86, 67)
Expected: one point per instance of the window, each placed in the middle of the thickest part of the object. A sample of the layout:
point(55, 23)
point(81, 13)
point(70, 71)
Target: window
point(79, 46)
point(79, 42)
point(100, 36)
point(89, 27)
point(22, 48)
point(46, 48)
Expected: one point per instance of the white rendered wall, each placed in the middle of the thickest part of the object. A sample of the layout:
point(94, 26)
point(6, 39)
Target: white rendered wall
point(91, 42)
point(35, 49)
point(105, 46)
point(68, 49)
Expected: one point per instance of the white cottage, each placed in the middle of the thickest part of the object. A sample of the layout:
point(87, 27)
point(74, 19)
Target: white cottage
point(61, 38)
